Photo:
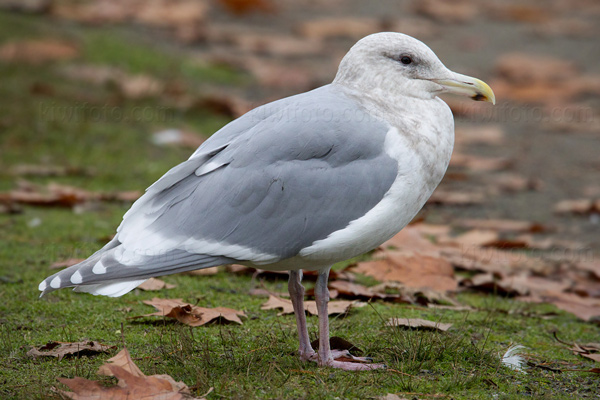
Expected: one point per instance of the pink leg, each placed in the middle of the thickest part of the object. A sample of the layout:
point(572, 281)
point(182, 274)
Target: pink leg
point(325, 356)
point(297, 295)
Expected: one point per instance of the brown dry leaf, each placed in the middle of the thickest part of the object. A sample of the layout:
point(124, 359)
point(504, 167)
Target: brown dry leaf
point(26, 6)
point(241, 7)
point(489, 134)
point(412, 269)
point(412, 238)
point(579, 206)
point(140, 86)
point(354, 290)
point(132, 383)
point(202, 272)
point(539, 79)
point(61, 349)
point(133, 86)
point(519, 285)
point(447, 11)
point(60, 195)
point(452, 198)
point(572, 27)
point(417, 323)
point(46, 170)
point(229, 105)
point(480, 164)
point(502, 225)
point(37, 51)
point(521, 68)
point(276, 45)
point(276, 74)
point(475, 238)
point(334, 307)
point(420, 28)
point(191, 315)
point(588, 350)
point(511, 182)
point(592, 266)
point(584, 308)
point(123, 360)
point(275, 302)
point(411, 259)
point(336, 27)
point(520, 12)
point(154, 284)
point(186, 18)
point(487, 259)
point(338, 343)
point(66, 263)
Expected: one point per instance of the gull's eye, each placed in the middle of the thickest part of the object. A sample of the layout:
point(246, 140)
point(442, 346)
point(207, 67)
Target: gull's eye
point(405, 60)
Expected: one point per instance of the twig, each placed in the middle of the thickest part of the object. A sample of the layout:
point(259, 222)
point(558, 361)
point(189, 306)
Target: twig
point(400, 372)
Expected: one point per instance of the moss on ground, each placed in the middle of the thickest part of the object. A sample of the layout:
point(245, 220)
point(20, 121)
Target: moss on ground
point(255, 360)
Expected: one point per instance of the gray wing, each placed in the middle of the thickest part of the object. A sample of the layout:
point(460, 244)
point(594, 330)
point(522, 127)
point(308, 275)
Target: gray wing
point(266, 186)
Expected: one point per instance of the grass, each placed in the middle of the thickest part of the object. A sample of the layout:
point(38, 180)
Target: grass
point(255, 360)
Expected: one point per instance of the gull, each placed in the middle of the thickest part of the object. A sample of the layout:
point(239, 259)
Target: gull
point(297, 184)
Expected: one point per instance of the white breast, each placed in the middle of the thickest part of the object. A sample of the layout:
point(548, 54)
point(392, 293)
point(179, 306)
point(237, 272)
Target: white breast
point(423, 156)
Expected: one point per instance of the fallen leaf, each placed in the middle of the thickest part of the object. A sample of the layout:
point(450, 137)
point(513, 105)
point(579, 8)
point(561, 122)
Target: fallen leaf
point(512, 182)
point(132, 86)
point(584, 308)
point(66, 263)
point(46, 170)
point(417, 323)
point(202, 272)
point(479, 134)
point(334, 307)
point(587, 350)
point(569, 27)
point(154, 284)
point(578, 206)
point(122, 360)
point(229, 105)
point(478, 163)
point(57, 195)
point(476, 238)
point(185, 18)
point(339, 27)
point(132, 383)
point(276, 45)
point(276, 302)
point(526, 68)
point(277, 74)
point(62, 349)
point(37, 51)
point(520, 12)
point(191, 315)
point(452, 198)
point(240, 7)
point(501, 225)
point(338, 343)
point(453, 11)
point(354, 290)
point(420, 28)
point(26, 6)
point(412, 269)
